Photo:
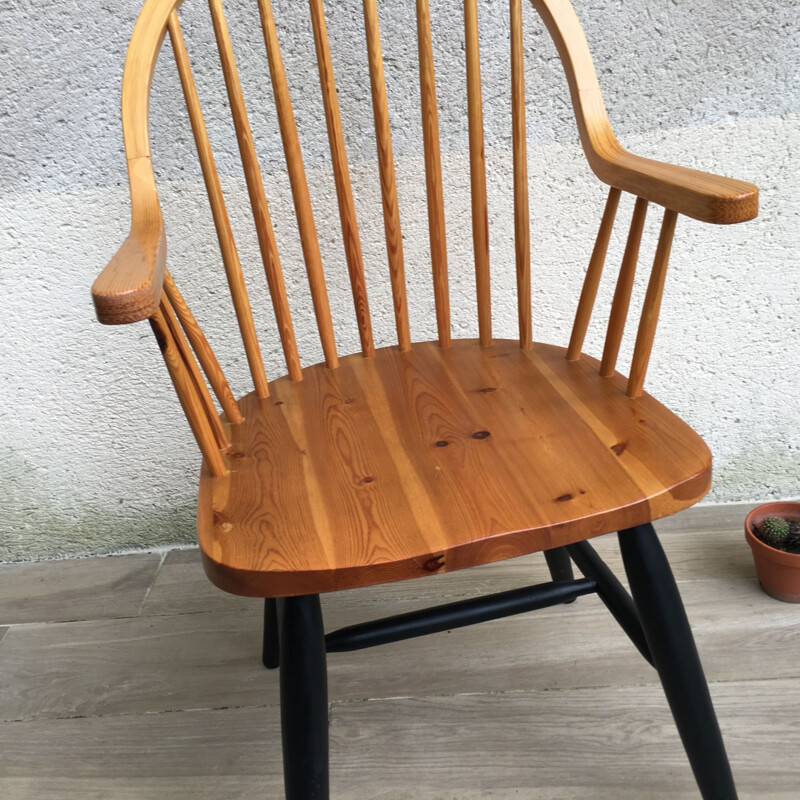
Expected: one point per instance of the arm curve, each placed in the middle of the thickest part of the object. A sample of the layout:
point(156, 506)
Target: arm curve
point(129, 288)
point(705, 197)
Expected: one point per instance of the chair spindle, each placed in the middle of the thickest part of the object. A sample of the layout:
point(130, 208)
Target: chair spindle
point(433, 173)
point(187, 395)
point(297, 178)
point(201, 390)
point(622, 293)
point(202, 349)
point(652, 305)
point(593, 274)
point(522, 232)
point(391, 210)
point(341, 174)
point(230, 256)
point(255, 188)
point(477, 172)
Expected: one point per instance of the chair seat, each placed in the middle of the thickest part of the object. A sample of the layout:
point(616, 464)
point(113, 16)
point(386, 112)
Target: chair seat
point(414, 463)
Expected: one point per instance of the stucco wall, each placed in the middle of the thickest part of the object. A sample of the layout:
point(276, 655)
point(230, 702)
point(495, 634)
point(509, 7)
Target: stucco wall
point(94, 453)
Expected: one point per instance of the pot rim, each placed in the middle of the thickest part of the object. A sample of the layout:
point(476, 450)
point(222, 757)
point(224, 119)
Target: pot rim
point(788, 509)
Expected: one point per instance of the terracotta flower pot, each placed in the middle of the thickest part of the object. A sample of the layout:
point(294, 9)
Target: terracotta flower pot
point(778, 572)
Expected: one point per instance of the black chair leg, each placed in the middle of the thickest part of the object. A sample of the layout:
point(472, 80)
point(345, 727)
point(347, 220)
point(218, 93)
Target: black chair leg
point(560, 566)
point(270, 652)
point(304, 698)
point(672, 646)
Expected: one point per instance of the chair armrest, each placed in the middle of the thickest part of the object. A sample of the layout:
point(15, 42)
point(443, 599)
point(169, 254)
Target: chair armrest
point(700, 195)
point(129, 288)
point(705, 197)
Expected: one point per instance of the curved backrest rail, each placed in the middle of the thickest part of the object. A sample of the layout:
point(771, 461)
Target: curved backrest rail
point(230, 256)
point(622, 294)
point(341, 174)
point(202, 349)
point(477, 172)
point(187, 395)
point(391, 210)
point(200, 388)
point(591, 281)
point(297, 178)
point(522, 225)
point(433, 173)
point(652, 305)
point(255, 188)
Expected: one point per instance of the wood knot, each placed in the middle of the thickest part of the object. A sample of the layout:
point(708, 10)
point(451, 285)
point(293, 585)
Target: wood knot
point(488, 389)
point(442, 443)
point(366, 479)
point(279, 402)
point(481, 435)
point(434, 563)
point(619, 448)
point(348, 401)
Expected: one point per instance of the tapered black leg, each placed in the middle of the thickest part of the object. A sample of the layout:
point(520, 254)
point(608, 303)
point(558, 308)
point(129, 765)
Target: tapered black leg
point(560, 566)
point(675, 657)
point(270, 652)
point(304, 698)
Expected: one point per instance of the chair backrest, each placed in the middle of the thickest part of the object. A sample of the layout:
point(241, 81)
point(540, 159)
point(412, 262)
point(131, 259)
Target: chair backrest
point(136, 284)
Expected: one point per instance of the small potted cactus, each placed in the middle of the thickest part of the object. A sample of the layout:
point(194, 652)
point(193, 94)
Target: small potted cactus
point(773, 533)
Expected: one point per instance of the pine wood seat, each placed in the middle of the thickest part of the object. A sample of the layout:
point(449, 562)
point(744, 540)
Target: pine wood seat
point(427, 461)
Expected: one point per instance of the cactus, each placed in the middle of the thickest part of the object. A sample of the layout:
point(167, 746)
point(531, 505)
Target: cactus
point(792, 542)
point(774, 531)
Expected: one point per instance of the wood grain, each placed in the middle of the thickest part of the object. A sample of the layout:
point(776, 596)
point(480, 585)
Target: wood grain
point(652, 306)
point(56, 591)
point(622, 293)
point(219, 212)
point(522, 223)
point(433, 173)
point(568, 745)
point(255, 189)
point(558, 745)
point(341, 175)
point(299, 184)
point(391, 210)
point(477, 173)
point(165, 663)
point(594, 272)
point(427, 459)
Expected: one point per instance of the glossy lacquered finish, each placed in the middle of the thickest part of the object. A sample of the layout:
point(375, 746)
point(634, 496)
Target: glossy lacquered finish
point(415, 463)
point(418, 459)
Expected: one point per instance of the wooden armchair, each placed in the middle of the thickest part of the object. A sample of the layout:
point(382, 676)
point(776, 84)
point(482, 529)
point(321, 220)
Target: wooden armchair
point(419, 458)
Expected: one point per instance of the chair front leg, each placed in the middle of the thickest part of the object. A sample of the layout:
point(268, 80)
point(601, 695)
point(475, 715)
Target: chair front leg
point(674, 653)
point(270, 652)
point(304, 698)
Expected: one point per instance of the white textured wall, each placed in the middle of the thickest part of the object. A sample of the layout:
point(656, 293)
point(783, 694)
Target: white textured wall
point(94, 453)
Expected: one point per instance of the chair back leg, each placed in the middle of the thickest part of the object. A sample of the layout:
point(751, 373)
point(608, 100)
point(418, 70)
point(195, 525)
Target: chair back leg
point(672, 646)
point(560, 566)
point(304, 698)
point(270, 652)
